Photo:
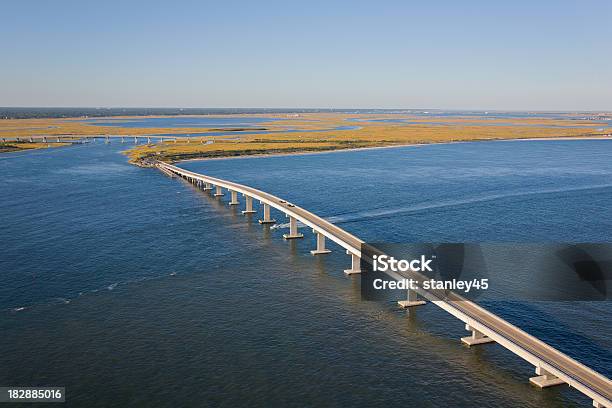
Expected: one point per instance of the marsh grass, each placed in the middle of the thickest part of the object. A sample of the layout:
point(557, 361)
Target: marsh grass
point(315, 136)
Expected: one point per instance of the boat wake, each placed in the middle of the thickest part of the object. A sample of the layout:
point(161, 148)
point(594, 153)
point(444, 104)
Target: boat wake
point(68, 300)
point(387, 212)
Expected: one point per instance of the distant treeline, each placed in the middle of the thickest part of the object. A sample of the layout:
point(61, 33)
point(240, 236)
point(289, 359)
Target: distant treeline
point(28, 113)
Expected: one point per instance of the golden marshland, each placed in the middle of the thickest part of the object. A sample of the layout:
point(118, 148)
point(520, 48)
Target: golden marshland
point(306, 133)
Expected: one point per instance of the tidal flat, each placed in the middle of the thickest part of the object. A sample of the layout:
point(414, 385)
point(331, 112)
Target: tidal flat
point(324, 132)
point(185, 137)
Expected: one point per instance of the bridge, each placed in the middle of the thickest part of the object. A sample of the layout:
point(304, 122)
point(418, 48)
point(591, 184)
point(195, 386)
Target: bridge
point(552, 367)
point(107, 138)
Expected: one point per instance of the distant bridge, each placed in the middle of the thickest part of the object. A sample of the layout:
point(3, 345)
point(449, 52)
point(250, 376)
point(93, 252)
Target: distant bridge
point(107, 138)
point(551, 366)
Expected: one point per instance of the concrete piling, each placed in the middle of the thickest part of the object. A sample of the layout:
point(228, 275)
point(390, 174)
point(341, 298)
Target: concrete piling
point(293, 230)
point(476, 337)
point(545, 379)
point(234, 200)
point(411, 300)
point(320, 245)
point(266, 215)
point(355, 264)
point(248, 201)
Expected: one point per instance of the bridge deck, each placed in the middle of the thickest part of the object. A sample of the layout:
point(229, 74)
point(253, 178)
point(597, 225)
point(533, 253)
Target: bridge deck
point(577, 375)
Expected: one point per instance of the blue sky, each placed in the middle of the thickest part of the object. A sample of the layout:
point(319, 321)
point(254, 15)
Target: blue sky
point(516, 55)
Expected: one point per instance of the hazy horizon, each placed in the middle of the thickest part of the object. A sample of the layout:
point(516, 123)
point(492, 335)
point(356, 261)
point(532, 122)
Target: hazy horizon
point(524, 56)
point(292, 109)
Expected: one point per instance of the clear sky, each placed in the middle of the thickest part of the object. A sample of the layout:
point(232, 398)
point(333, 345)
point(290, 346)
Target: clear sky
point(517, 55)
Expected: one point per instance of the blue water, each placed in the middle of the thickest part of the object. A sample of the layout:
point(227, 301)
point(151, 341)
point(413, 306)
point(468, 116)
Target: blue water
point(206, 122)
point(249, 121)
point(498, 114)
point(410, 121)
point(257, 132)
point(131, 288)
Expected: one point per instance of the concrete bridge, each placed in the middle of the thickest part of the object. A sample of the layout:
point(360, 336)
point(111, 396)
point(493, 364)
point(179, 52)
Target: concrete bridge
point(107, 138)
point(552, 367)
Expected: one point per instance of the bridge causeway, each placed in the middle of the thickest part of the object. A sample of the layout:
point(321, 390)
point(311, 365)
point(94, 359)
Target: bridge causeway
point(107, 138)
point(551, 366)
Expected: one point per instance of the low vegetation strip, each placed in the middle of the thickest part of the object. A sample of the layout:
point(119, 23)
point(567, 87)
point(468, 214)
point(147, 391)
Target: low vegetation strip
point(15, 147)
point(367, 136)
point(304, 132)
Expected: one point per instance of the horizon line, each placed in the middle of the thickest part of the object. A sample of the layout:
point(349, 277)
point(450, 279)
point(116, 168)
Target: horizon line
point(316, 108)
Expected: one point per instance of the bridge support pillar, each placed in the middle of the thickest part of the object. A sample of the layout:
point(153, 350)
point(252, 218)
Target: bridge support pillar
point(411, 300)
point(293, 230)
point(31, 140)
point(545, 379)
point(58, 140)
point(44, 139)
point(266, 215)
point(218, 191)
point(122, 139)
point(207, 186)
point(234, 200)
point(355, 264)
point(248, 205)
point(476, 337)
point(320, 244)
point(135, 140)
point(166, 172)
point(148, 140)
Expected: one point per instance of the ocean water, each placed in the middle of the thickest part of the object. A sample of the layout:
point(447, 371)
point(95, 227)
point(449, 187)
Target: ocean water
point(410, 121)
point(131, 288)
point(235, 134)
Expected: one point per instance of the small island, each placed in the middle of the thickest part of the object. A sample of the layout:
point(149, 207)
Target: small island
point(310, 133)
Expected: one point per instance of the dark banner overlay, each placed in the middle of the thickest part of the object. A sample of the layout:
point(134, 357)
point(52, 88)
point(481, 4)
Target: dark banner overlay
point(507, 272)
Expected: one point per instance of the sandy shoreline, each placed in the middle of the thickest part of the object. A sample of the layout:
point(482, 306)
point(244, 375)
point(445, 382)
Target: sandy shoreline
point(251, 156)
